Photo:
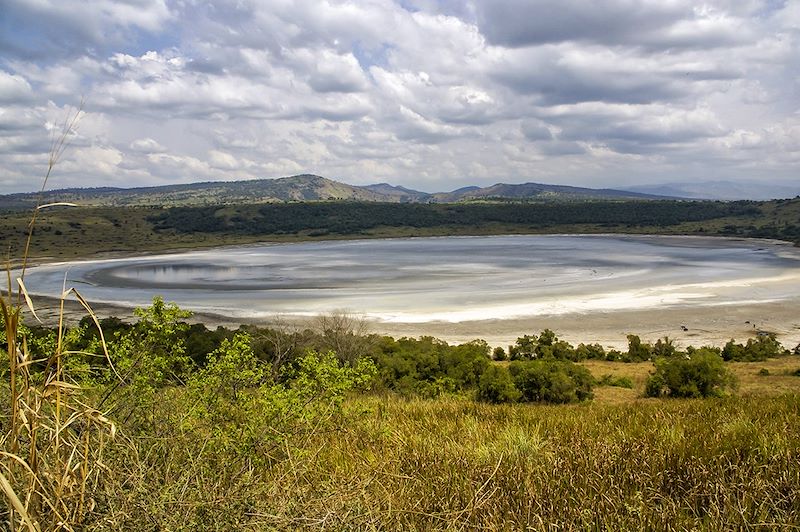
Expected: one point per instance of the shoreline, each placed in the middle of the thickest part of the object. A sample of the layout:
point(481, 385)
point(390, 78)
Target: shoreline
point(706, 325)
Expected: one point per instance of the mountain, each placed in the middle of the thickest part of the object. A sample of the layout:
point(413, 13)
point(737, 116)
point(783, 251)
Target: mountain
point(537, 191)
point(397, 193)
point(720, 190)
point(304, 187)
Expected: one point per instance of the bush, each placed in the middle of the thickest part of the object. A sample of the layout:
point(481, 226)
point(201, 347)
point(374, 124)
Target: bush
point(590, 351)
point(756, 350)
point(637, 351)
point(496, 386)
point(551, 381)
point(499, 353)
point(620, 382)
point(430, 367)
point(701, 374)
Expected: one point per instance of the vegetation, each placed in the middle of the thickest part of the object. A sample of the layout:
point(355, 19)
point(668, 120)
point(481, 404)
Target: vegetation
point(158, 424)
point(700, 374)
point(88, 230)
point(258, 428)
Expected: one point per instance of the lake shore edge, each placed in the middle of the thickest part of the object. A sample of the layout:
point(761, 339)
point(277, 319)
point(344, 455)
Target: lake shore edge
point(695, 325)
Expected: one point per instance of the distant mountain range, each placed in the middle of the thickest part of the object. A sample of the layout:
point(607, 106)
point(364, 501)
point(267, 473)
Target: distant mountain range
point(306, 188)
point(720, 190)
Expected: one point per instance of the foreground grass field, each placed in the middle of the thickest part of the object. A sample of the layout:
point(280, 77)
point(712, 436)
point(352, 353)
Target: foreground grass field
point(453, 464)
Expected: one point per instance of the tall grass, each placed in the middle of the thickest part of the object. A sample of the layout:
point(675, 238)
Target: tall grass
point(727, 464)
point(52, 440)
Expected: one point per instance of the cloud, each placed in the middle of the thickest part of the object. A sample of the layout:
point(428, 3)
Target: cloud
point(147, 145)
point(638, 23)
point(14, 89)
point(428, 93)
point(44, 30)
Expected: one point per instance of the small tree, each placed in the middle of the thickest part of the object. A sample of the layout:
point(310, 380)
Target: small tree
point(702, 374)
point(499, 354)
point(638, 351)
point(496, 386)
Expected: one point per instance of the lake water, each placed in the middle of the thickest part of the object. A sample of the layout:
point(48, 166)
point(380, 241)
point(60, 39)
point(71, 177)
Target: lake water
point(443, 279)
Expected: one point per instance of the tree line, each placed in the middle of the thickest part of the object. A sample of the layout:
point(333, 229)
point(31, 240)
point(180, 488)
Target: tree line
point(352, 218)
point(161, 349)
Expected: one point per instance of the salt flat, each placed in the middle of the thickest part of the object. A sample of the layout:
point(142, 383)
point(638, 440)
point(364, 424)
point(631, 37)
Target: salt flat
point(586, 287)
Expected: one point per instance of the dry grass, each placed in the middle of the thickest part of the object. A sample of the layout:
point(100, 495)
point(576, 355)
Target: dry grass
point(457, 465)
point(51, 439)
point(750, 383)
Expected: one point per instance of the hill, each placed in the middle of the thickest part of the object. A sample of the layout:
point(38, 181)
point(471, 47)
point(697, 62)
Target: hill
point(304, 187)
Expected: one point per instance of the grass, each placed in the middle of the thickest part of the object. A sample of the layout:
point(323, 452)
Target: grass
point(453, 464)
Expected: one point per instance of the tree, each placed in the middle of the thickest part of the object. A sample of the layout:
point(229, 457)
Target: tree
point(499, 354)
point(701, 374)
point(638, 351)
point(496, 386)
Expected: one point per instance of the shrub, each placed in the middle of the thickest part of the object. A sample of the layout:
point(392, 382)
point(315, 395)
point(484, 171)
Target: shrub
point(756, 350)
point(701, 374)
point(637, 351)
point(496, 386)
point(551, 381)
point(499, 353)
point(590, 351)
point(430, 367)
point(610, 380)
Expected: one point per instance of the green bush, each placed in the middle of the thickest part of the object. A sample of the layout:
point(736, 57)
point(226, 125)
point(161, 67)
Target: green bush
point(430, 367)
point(637, 351)
point(755, 350)
point(620, 382)
point(499, 353)
point(551, 381)
point(701, 374)
point(496, 386)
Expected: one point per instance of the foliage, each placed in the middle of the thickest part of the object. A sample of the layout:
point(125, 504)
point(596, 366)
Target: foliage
point(551, 381)
point(430, 367)
point(637, 350)
point(755, 350)
point(610, 380)
point(496, 386)
point(701, 374)
point(590, 352)
point(499, 354)
point(148, 356)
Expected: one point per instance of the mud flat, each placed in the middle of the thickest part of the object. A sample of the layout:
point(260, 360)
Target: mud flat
point(587, 288)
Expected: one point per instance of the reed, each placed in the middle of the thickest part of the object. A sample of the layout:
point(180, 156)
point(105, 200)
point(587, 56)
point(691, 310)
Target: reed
point(53, 439)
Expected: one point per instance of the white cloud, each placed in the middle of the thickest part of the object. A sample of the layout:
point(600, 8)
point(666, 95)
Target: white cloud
point(147, 145)
point(429, 93)
point(14, 89)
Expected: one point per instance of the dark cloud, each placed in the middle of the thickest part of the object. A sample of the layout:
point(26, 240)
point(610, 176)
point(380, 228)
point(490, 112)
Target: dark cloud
point(648, 24)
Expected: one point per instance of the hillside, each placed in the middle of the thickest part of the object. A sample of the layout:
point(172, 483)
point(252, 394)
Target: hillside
point(304, 187)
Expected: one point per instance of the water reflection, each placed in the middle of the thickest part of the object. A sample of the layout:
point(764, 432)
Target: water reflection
point(445, 278)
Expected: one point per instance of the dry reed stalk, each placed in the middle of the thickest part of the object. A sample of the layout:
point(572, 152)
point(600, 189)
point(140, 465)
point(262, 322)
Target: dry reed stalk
point(52, 448)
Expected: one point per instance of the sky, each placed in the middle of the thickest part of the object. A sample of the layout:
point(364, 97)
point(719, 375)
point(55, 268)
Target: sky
point(428, 94)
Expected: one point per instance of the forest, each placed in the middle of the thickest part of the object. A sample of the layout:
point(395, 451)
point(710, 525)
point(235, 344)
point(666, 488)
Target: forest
point(64, 232)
